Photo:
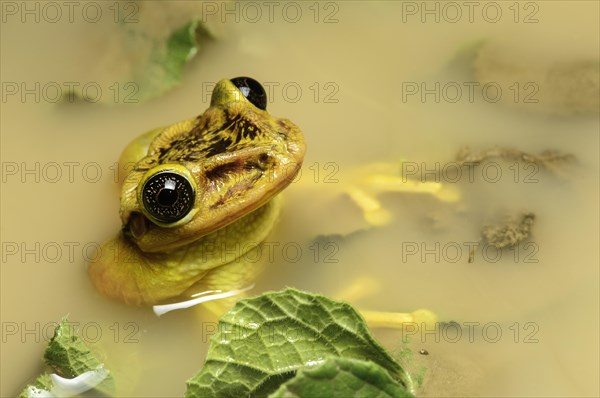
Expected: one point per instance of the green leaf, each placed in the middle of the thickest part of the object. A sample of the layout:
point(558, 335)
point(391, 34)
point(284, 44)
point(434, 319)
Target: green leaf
point(43, 382)
point(146, 62)
point(342, 377)
point(462, 65)
point(164, 68)
point(264, 340)
point(69, 357)
point(67, 353)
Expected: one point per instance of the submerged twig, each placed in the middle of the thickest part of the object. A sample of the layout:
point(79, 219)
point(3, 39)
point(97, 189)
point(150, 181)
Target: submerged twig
point(549, 159)
point(515, 230)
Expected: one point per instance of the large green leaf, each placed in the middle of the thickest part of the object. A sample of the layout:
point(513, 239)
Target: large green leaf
point(344, 378)
point(264, 340)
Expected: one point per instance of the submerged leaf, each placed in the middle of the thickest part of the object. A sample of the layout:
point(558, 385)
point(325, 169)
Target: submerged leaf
point(264, 340)
point(70, 357)
point(164, 68)
point(43, 382)
point(142, 58)
point(461, 65)
point(67, 354)
point(342, 377)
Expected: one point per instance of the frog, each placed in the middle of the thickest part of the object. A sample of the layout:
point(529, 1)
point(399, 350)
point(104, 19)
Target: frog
point(200, 196)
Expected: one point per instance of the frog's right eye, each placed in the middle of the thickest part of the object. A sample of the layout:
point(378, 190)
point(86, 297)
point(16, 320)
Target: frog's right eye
point(252, 90)
point(167, 196)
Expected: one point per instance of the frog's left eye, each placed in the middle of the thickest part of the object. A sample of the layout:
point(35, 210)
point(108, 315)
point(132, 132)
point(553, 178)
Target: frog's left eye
point(252, 90)
point(168, 196)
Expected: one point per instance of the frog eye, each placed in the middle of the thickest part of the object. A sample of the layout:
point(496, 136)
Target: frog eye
point(167, 196)
point(252, 90)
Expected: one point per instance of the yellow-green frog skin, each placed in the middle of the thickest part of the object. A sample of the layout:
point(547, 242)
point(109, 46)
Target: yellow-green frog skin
point(201, 195)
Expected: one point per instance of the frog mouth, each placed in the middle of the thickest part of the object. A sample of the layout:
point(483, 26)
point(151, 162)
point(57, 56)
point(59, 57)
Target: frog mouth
point(137, 226)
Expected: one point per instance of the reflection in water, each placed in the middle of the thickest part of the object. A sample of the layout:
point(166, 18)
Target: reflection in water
point(204, 297)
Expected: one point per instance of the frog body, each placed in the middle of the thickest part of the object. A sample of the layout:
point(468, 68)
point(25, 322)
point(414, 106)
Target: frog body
point(201, 195)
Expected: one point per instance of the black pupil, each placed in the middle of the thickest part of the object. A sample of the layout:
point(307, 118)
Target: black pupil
point(252, 90)
point(168, 196)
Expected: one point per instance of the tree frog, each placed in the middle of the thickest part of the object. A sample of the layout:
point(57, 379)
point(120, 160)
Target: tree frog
point(201, 194)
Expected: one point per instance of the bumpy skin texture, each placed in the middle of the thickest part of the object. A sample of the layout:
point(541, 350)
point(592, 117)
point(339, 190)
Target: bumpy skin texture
point(239, 157)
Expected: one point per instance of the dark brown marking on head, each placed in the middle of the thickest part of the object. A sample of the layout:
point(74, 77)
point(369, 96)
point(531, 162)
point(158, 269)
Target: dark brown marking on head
point(216, 148)
point(236, 132)
point(223, 170)
point(241, 186)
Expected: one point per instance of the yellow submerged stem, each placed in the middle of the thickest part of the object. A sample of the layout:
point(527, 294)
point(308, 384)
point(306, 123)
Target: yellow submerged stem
point(399, 320)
